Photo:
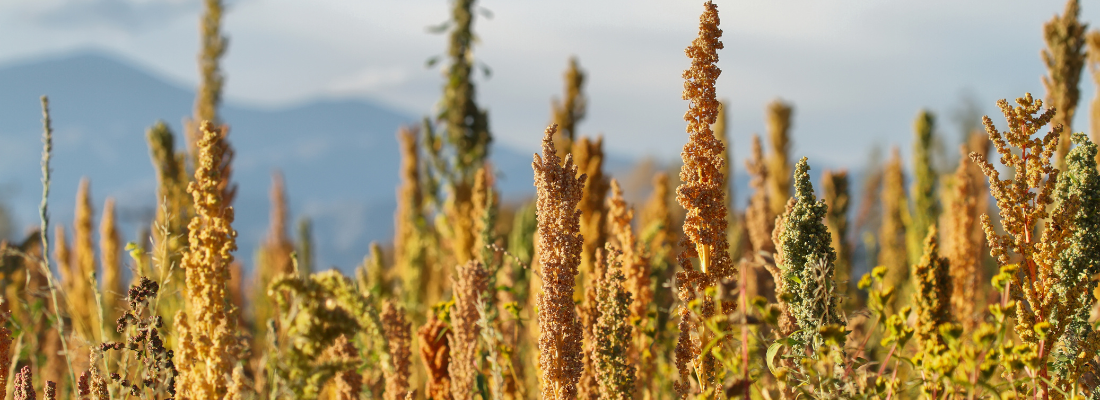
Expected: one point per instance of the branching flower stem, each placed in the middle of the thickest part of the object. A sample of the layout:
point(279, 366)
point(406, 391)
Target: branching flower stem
point(44, 217)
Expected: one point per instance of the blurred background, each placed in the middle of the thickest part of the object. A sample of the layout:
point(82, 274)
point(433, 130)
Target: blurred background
point(317, 89)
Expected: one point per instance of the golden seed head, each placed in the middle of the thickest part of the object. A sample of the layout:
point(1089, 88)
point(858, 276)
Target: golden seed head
point(208, 344)
point(560, 191)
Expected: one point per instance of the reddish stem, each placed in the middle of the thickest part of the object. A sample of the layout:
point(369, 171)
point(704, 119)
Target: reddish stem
point(859, 352)
point(893, 376)
point(744, 334)
point(882, 369)
point(977, 370)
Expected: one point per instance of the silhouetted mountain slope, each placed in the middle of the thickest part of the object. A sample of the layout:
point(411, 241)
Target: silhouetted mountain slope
point(339, 157)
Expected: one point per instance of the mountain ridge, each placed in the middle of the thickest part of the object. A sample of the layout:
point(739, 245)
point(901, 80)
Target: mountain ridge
point(339, 156)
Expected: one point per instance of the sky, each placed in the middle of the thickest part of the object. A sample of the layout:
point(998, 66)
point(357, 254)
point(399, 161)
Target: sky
point(857, 71)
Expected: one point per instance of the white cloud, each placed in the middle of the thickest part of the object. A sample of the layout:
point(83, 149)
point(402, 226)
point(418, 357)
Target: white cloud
point(856, 70)
point(368, 80)
point(124, 15)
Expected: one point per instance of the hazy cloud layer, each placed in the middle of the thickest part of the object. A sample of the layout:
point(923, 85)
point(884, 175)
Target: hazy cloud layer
point(857, 71)
point(134, 16)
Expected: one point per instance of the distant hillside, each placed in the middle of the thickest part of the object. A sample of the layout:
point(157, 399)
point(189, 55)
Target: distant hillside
point(339, 157)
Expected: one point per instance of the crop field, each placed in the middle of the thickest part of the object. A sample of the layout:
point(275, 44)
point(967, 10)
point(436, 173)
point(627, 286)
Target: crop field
point(977, 281)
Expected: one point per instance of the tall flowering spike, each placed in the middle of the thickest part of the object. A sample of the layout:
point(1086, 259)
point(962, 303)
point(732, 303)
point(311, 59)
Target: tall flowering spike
point(50, 390)
point(613, 333)
point(656, 221)
point(83, 230)
point(272, 260)
point(721, 131)
point(588, 155)
point(435, 353)
point(779, 160)
point(171, 177)
point(635, 265)
point(485, 214)
point(98, 385)
point(372, 273)
point(1080, 261)
point(869, 214)
point(1093, 40)
point(786, 321)
point(225, 167)
point(277, 245)
point(304, 248)
point(835, 188)
point(589, 387)
point(758, 215)
point(933, 286)
point(52, 343)
point(637, 269)
point(174, 207)
point(208, 347)
point(24, 385)
point(962, 248)
point(759, 223)
point(349, 383)
point(979, 143)
point(109, 249)
point(209, 95)
point(657, 216)
point(463, 218)
point(83, 264)
point(807, 259)
point(559, 192)
point(702, 193)
point(1064, 57)
point(892, 249)
point(467, 125)
point(925, 209)
point(409, 220)
point(687, 349)
point(208, 98)
point(470, 283)
point(571, 110)
point(5, 353)
point(1024, 201)
point(736, 234)
point(463, 145)
point(64, 257)
point(396, 329)
point(214, 46)
point(84, 384)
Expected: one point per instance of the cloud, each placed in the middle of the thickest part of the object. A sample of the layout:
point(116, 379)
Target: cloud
point(131, 16)
point(368, 79)
point(857, 71)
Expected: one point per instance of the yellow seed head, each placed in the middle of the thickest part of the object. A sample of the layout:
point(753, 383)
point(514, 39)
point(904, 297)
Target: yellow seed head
point(560, 191)
point(208, 345)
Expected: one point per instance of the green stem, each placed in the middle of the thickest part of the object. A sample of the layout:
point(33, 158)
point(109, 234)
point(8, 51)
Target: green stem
point(44, 263)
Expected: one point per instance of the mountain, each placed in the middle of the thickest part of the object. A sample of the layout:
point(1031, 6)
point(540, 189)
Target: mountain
point(339, 156)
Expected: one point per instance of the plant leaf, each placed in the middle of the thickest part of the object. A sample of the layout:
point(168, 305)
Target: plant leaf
point(439, 29)
point(772, 351)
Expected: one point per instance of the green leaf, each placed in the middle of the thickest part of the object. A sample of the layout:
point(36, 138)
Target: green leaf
point(431, 62)
point(441, 28)
point(772, 351)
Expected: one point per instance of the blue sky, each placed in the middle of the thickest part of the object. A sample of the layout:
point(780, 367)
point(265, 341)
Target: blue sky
point(857, 70)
